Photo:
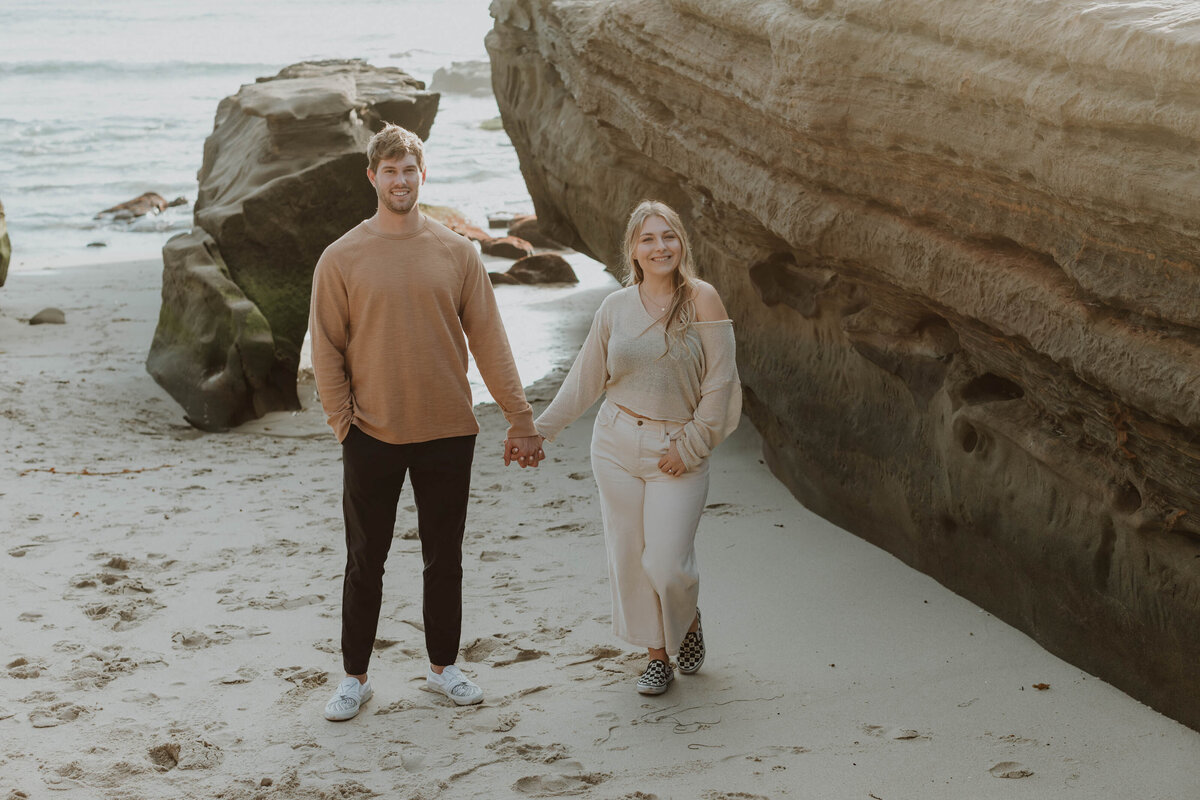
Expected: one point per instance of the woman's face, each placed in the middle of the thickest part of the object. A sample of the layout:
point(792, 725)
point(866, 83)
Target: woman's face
point(658, 249)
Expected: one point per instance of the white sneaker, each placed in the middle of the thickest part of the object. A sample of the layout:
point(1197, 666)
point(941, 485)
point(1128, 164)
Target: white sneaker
point(348, 700)
point(452, 683)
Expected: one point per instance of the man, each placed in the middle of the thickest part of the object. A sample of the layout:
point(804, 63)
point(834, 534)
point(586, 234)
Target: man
point(395, 302)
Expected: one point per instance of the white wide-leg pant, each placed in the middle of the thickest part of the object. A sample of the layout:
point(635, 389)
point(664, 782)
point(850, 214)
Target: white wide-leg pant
point(650, 521)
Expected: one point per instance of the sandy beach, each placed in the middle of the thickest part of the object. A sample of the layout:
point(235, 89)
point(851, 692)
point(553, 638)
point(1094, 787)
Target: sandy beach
point(171, 609)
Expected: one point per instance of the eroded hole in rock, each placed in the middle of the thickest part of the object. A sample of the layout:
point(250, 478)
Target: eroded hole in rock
point(1126, 498)
point(966, 435)
point(938, 336)
point(991, 388)
point(779, 279)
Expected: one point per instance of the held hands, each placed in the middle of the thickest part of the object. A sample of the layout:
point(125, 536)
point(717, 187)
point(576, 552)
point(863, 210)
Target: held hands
point(671, 463)
point(525, 450)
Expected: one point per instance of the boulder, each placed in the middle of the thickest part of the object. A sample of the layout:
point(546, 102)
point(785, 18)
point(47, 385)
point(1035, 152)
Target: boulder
point(542, 268)
point(527, 229)
point(503, 219)
point(463, 77)
point(237, 375)
point(49, 316)
point(5, 247)
point(503, 279)
point(283, 176)
point(456, 221)
point(506, 247)
point(960, 252)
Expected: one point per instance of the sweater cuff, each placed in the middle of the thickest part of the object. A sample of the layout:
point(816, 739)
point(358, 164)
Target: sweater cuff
point(687, 452)
point(520, 425)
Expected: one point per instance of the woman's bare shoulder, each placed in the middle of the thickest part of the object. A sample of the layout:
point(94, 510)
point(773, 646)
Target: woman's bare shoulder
point(709, 307)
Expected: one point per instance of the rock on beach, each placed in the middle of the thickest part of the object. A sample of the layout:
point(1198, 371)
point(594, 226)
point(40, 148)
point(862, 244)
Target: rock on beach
point(959, 248)
point(542, 268)
point(282, 177)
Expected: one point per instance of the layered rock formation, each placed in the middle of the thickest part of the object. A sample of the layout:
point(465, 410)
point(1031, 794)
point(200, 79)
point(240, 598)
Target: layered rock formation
point(960, 248)
point(5, 247)
point(282, 177)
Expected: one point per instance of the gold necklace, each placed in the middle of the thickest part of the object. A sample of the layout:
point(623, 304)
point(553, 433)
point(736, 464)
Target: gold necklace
point(654, 302)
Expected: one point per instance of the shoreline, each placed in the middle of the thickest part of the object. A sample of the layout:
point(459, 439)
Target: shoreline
point(170, 622)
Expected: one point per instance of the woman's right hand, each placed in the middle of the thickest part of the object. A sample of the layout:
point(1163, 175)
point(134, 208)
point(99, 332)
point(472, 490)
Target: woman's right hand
point(671, 463)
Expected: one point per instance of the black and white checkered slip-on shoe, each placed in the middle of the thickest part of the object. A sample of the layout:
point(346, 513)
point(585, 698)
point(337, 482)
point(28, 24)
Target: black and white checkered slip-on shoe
point(656, 678)
point(691, 652)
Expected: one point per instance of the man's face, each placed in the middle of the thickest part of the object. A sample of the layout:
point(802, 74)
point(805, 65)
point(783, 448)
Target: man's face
point(397, 181)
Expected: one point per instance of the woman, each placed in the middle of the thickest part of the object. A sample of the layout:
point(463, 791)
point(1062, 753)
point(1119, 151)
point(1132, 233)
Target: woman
point(661, 350)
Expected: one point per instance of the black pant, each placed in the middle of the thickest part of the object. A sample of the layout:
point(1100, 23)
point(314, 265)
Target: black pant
point(373, 476)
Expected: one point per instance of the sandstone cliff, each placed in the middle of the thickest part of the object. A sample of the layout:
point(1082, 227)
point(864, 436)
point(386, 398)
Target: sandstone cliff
point(959, 243)
point(282, 177)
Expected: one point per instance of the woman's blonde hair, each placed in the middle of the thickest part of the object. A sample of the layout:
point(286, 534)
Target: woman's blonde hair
point(682, 310)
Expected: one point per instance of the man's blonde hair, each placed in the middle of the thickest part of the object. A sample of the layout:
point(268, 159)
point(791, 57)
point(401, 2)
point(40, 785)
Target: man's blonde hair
point(395, 142)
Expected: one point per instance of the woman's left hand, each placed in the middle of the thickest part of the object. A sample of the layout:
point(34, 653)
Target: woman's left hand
point(671, 463)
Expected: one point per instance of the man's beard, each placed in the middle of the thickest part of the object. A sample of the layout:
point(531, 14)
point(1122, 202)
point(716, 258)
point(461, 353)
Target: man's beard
point(398, 206)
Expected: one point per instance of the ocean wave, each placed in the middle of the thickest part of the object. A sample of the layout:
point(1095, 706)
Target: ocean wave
point(158, 69)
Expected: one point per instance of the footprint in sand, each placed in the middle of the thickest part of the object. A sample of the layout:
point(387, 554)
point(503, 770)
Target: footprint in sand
point(767, 753)
point(480, 649)
point(278, 601)
point(193, 754)
point(98, 668)
point(609, 664)
point(722, 509)
point(23, 668)
point(597, 653)
point(242, 675)
point(897, 734)
point(49, 716)
point(305, 681)
point(570, 527)
point(519, 655)
point(512, 747)
point(131, 601)
point(123, 613)
point(401, 705)
point(196, 640)
point(499, 651)
point(1010, 769)
point(559, 785)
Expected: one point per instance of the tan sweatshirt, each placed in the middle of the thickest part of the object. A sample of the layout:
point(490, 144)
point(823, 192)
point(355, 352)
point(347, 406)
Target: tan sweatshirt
point(625, 357)
point(387, 321)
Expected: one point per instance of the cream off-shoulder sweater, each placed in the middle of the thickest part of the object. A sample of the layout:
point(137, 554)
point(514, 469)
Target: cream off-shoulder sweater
point(628, 357)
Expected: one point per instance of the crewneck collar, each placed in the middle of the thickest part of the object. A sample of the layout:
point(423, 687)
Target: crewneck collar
point(366, 226)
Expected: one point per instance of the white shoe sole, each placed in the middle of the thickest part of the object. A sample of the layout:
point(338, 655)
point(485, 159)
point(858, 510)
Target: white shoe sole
point(654, 690)
point(458, 701)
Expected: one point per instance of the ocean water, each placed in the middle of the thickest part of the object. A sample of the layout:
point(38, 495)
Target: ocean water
point(100, 102)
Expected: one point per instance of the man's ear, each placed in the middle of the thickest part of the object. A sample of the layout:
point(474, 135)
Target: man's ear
point(422, 177)
point(371, 175)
